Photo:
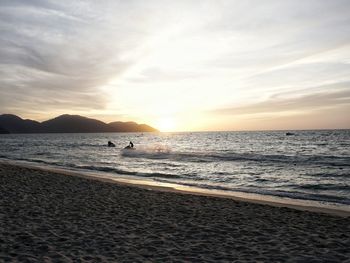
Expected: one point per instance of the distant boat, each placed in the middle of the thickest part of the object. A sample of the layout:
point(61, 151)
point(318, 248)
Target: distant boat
point(289, 133)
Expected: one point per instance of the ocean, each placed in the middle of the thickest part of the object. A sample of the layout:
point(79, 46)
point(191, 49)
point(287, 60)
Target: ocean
point(306, 165)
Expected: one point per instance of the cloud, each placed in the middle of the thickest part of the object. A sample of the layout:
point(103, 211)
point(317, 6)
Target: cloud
point(322, 98)
point(57, 56)
point(64, 53)
point(277, 33)
point(116, 57)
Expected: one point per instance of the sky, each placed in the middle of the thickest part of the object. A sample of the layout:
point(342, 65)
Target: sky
point(187, 65)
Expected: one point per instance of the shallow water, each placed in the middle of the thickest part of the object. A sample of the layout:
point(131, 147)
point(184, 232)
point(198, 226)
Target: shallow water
point(309, 165)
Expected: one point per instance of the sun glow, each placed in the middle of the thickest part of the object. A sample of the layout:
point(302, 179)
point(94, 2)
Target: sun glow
point(166, 124)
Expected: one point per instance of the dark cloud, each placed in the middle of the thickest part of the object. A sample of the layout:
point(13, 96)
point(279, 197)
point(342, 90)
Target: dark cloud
point(53, 56)
point(32, 3)
point(321, 99)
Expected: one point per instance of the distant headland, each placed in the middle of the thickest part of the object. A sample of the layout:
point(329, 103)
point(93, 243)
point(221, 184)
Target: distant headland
point(66, 123)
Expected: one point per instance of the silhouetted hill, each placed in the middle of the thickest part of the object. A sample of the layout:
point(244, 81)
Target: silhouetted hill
point(3, 131)
point(130, 126)
point(74, 124)
point(14, 124)
point(67, 124)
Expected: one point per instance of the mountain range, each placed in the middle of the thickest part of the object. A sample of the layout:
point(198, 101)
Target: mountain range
point(66, 123)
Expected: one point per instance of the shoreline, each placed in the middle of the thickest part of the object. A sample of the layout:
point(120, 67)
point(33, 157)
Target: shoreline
point(50, 216)
point(133, 181)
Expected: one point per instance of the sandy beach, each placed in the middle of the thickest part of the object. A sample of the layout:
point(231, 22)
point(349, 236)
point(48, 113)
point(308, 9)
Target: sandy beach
point(51, 217)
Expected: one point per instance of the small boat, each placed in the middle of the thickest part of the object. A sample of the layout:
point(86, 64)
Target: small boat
point(110, 144)
point(289, 133)
point(129, 148)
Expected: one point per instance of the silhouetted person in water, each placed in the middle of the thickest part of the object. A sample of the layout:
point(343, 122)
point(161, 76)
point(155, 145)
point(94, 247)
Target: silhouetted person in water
point(111, 144)
point(130, 146)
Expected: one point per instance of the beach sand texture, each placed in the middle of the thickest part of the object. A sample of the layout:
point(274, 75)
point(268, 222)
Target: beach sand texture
point(51, 217)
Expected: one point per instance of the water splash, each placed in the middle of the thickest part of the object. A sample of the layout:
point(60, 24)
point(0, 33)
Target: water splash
point(158, 151)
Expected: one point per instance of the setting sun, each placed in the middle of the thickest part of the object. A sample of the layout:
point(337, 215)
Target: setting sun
point(166, 124)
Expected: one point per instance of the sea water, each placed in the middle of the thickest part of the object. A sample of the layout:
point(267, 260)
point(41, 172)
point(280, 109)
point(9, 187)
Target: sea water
point(308, 165)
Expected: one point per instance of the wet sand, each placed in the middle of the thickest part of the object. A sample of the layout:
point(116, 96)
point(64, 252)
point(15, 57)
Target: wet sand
point(47, 216)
